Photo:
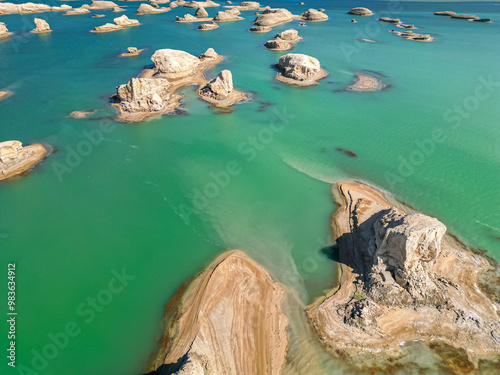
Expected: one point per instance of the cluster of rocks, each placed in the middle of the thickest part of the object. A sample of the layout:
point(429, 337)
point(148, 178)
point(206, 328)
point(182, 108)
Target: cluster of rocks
point(467, 17)
point(299, 69)
point(410, 35)
point(154, 92)
point(16, 159)
point(41, 26)
point(119, 23)
point(10, 8)
point(228, 15)
point(283, 41)
point(260, 29)
point(199, 4)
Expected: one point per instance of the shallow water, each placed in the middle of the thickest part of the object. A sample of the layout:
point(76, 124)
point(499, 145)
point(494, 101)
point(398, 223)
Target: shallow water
point(157, 198)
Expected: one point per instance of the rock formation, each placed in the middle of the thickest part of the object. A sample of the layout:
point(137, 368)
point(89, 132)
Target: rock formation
point(81, 114)
point(260, 29)
point(132, 51)
point(401, 284)
point(467, 17)
point(390, 20)
point(41, 26)
point(445, 13)
point(154, 92)
point(290, 35)
point(273, 17)
point(120, 23)
point(410, 35)
point(190, 18)
point(246, 5)
point(359, 11)
point(9, 8)
point(16, 159)
point(4, 32)
point(98, 16)
point(201, 13)
point(227, 321)
point(228, 16)
point(99, 4)
point(366, 83)
point(148, 9)
point(208, 26)
point(76, 11)
point(313, 15)
point(3, 93)
point(200, 4)
point(220, 91)
point(299, 69)
point(278, 45)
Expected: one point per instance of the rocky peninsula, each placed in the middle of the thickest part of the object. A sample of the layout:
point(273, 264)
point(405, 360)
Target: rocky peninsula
point(228, 320)
point(401, 282)
point(299, 69)
point(16, 159)
point(403, 285)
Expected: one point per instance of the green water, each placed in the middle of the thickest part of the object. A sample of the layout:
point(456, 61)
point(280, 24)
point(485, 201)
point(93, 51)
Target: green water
point(128, 203)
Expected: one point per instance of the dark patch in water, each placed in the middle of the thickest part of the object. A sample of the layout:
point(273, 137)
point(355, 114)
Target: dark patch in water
point(101, 118)
point(454, 358)
point(376, 73)
point(276, 87)
point(347, 152)
point(179, 112)
point(223, 110)
point(264, 105)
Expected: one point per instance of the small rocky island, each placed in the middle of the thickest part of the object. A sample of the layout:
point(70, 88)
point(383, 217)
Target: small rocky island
point(42, 26)
point(299, 69)
point(119, 23)
point(154, 93)
point(366, 83)
point(16, 159)
point(283, 41)
point(405, 290)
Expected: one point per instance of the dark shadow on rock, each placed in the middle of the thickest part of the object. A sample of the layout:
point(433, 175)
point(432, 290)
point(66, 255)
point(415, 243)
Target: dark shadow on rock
point(170, 368)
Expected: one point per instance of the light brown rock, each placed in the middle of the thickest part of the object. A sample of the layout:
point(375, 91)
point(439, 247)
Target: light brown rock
point(278, 45)
point(313, 15)
point(360, 11)
point(402, 282)
point(299, 69)
point(148, 9)
point(41, 26)
point(16, 159)
point(119, 23)
point(273, 17)
point(220, 91)
point(228, 16)
point(229, 320)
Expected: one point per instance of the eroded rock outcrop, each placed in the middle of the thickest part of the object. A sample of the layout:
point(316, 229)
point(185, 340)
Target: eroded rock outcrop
point(201, 13)
point(246, 5)
point(260, 29)
point(360, 11)
point(41, 26)
point(199, 4)
point(190, 18)
point(77, 11)
point(290, 35)
point(16, 159)
point(208, 26)
point(227, 321)
point(148, 9)
point(299, 69)
point(410, 35)
point(273, 17)
point(99, 4)
point(10, 8)
point(278, 45)
point(154, 92)
point(4, 31)
point(401, 282)
point(119, 23)
point(220, 91)
point(313, 15)
point(228, 16)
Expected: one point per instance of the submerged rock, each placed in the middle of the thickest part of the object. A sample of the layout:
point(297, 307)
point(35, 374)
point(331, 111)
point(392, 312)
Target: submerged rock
point(401, 281)
point(299, 69)
point(273, 17)
point(366, 83)
point(360, 11)
point(41, 26)
point(229, 320)
point(16, 159)
point(313, 15)
point(148, 9)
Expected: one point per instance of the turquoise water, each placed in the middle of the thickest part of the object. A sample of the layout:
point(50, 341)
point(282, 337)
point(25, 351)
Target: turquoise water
point(128, 202)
